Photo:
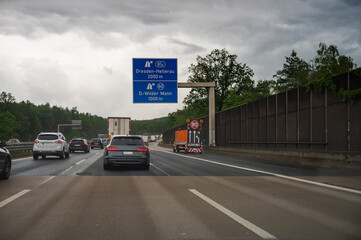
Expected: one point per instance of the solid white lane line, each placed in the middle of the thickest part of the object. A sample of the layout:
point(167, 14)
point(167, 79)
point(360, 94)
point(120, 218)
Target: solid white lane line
point(271, 173)
point(47, 180)
point(257, 230)
point(66, 170)
point(12, 198)
point(159, 169)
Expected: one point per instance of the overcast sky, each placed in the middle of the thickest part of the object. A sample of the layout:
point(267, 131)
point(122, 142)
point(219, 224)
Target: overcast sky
point(79, 53)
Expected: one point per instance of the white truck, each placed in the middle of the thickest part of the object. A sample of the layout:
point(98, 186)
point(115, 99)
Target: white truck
point(152, 138)
point(145, 138)
point(118, 126)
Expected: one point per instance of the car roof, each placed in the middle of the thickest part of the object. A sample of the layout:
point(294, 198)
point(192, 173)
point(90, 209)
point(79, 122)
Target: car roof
point(132, 136)
point(53, 133)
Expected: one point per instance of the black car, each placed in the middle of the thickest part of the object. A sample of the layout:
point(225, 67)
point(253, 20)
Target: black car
point(79, 144)
point(96, 143)
point(5, 162)
point(126, 150)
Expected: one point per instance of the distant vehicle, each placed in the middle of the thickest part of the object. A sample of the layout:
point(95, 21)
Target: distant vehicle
point(152, 138)
point(5, 162)
point(126, 150)
point(15, 141)
point(118, 126)
point(50, 143)
point(105, 141)
point(96, 143)
point(145, 138)
point(79, 144)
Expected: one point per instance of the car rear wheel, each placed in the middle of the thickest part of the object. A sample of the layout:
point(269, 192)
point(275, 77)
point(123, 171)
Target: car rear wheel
point(5, 174)
point(36, 156)
point(61, 156)
point(67, 154)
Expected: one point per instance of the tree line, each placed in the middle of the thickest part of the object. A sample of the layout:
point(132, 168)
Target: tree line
point(235, 86)
point(25, 120)
point(153, 127)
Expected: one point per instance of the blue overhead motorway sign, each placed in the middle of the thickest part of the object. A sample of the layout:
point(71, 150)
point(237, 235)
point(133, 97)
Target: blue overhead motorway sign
point(155, 80)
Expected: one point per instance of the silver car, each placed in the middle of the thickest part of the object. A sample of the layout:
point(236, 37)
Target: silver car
point(126, 150)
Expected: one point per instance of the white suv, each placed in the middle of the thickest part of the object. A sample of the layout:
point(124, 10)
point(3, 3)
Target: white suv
point(50, 143)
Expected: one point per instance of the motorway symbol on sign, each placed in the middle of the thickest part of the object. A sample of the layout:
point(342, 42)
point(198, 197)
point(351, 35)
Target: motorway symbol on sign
point(155, 80)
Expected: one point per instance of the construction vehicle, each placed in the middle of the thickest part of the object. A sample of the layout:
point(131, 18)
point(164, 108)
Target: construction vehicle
point(189, 140)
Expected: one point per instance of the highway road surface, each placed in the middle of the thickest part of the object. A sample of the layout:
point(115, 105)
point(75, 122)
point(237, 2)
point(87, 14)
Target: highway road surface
point(182, 196)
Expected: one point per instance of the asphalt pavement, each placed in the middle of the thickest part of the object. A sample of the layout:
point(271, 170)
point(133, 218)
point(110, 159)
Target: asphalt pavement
point(181, 196)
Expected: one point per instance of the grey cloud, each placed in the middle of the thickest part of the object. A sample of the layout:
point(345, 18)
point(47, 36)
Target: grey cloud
point(187, 48)
point(352, 3)
point(25, 17)
point(46, 78)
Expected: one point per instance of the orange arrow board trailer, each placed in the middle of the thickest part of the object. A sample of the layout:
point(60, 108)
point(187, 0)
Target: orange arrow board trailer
point(188, 140)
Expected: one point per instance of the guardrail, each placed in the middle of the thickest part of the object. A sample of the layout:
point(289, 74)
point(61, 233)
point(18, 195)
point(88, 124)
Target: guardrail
point(23, 146)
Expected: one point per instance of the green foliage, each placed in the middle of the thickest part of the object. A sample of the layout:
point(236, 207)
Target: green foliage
point(222, 68)
point(327, 82)
point(153, 127)
point(295, 73)
point(25, 120)
point(263, 89)
point(180, 116)
point(8, 126)
point(329, 61)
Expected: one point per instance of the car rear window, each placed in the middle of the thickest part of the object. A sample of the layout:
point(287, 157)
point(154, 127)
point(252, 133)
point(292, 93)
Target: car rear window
point(48, 137)
point(77, 141)
point(127, 141)
point(96, 140)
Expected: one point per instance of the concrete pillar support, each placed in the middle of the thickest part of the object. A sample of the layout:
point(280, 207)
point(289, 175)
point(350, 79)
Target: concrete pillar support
point(212, 117)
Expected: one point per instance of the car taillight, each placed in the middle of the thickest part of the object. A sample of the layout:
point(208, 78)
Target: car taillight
point(36, 141)
point(59, 142)
point(70, 144)
point(142, 149)
point(112, 148)
point(83, 143)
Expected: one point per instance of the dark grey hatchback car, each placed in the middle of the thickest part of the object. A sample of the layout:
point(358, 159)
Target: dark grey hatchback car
point(126, 150)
